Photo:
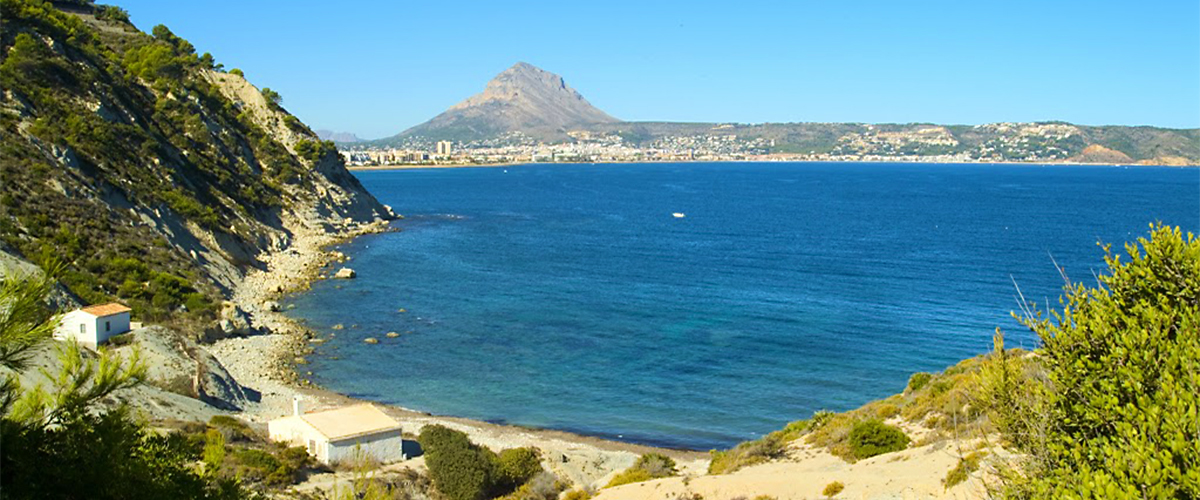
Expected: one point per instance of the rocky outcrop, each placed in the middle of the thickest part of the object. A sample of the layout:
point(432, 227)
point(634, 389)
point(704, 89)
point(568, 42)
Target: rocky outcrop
point(345, 273)
point(177, 364)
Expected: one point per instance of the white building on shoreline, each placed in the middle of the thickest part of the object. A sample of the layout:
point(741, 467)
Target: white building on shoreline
point(336, 435)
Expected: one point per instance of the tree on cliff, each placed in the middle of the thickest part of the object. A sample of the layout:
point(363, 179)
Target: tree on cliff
point(1118, 412)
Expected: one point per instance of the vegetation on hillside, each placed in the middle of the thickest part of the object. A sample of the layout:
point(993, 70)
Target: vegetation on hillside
point(60, 442)
point(109, 131)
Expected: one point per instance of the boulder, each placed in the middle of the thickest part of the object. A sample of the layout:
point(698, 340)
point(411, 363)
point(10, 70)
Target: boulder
point(271, 305)
point(234, 320)
point(345, 273)
point(371, 340)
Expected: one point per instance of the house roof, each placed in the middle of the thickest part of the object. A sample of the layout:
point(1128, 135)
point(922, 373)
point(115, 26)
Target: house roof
point(351, 421)
point(102, 310)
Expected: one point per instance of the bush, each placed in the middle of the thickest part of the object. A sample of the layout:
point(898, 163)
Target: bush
point(577, 495)
point(516, 466)
point(647, 467)
point(832, 489)
point(112, 13)
point(1116, 415)
point(872, 437)
point(238, 72)
point(962, 471)
point(460, 470)
point(918, 380)
point(315, 151)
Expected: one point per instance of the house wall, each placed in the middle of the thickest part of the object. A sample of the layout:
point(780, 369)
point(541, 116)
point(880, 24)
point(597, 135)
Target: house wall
point(295, 432)
point(116, 325)
point(70, 328)
point(385, 447)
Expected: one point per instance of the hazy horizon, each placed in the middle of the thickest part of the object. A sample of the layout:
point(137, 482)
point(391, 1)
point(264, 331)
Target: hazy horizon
point(379, 69)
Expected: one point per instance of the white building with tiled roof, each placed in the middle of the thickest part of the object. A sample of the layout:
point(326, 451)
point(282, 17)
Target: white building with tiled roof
point(93, 325)
point(334, 435)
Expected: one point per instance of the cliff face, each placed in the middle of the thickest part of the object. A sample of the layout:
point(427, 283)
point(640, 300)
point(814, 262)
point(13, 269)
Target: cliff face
point(150, 174)
point(522, 98)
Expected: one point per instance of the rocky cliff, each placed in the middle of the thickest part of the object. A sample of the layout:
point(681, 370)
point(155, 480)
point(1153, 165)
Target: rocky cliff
point(154, 176)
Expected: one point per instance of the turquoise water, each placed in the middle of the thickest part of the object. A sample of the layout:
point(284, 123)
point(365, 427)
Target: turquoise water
point(569, 297)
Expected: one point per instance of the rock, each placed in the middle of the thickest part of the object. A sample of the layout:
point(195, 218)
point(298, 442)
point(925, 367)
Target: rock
point(392, 335)
point(371, 340)
point(271, 305)
point(300, 361)
point(345, 273)
point(234, 320)
point(338, 326)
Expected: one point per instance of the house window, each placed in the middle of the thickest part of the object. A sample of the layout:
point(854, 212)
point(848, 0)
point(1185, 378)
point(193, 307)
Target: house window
point(107, 326)
point(82, 328)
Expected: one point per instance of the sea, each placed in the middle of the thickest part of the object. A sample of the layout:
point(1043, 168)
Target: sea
point(697, 305)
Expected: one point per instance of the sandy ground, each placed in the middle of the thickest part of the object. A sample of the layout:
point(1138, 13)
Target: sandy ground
point(915, 473)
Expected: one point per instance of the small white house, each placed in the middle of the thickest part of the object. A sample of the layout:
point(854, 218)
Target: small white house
point(93, 325)
point(334, 435)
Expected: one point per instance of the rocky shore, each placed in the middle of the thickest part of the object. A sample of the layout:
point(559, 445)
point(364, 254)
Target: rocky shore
point(264, 363)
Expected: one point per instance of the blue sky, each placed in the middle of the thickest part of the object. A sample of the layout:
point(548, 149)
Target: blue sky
point(376, 68)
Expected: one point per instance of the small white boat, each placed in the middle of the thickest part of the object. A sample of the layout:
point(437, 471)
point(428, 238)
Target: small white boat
point(678, 215)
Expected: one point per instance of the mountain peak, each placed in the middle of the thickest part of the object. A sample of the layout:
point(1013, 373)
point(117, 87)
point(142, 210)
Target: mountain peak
point(522, 98)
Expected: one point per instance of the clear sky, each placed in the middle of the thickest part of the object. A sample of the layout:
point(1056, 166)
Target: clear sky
point(376, 68)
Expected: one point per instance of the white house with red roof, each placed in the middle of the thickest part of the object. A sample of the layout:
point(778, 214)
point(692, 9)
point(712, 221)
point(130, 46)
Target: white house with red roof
point(93, 325)
point(336, 435)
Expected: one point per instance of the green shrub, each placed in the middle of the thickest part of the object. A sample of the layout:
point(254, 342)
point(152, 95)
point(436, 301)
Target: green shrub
point(647, 467)
point(238, 72)
point(918, 380)
point(871, 437)
point(832, 489)
point(577, 495)
point(112, 13)
point(1116, 416)
point(962, 471)
point(516, 466)
point(460, 469)
point(232, 428)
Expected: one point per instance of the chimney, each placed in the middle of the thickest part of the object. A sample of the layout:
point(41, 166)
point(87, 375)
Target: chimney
point(297, 405)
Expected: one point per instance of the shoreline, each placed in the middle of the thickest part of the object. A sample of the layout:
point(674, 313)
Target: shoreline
point(370, 168)
point(269, 363)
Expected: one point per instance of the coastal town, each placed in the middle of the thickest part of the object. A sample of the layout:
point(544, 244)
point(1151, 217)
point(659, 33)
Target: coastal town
point(996, 142)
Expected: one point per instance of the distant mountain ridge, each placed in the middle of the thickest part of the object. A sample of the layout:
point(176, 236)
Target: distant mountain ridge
point(524, 104)
point(523, 98)
point(330, 135)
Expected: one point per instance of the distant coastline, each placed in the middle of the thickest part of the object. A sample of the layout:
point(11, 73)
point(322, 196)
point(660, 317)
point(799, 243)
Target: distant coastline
point(887, 160)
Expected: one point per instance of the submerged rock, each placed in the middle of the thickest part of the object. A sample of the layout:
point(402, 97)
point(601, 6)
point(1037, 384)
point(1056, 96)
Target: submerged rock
point(392, 335)
point(371, 340)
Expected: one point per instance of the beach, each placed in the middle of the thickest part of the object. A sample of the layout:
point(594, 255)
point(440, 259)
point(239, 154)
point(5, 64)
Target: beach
point(266, 363)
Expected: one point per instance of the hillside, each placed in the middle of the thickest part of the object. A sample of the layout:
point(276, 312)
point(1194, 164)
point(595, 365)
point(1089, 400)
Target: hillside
point(523, 99)
point(155, 176)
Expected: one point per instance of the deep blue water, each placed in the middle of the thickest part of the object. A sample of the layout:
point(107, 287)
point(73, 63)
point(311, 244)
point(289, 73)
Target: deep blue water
point(568, 297)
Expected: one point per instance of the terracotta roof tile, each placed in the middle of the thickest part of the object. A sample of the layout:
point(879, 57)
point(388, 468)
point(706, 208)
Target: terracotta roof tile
point(101, 310)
